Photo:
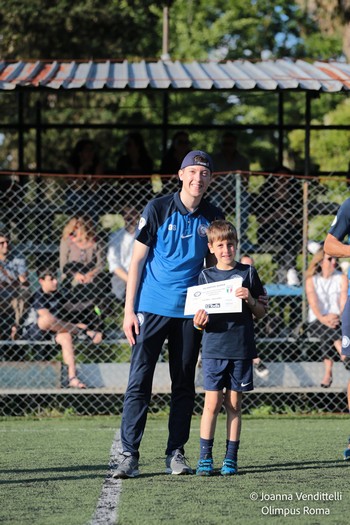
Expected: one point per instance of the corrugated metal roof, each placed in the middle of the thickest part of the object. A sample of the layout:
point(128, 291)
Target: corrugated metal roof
point(269, 75)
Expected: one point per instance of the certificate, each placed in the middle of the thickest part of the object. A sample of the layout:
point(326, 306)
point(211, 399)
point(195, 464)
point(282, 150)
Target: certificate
point(218, 297)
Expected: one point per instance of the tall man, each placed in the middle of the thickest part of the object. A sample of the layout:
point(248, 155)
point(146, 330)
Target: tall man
point(335, 246)
point(169, 252)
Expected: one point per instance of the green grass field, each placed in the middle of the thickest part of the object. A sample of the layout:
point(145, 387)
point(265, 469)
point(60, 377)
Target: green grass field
point(53, 470)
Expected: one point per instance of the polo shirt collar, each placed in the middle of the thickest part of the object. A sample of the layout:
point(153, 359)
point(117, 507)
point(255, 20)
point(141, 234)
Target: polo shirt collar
point(182, 208)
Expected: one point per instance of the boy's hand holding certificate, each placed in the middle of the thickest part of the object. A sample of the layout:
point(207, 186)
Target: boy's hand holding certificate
point(218, 297)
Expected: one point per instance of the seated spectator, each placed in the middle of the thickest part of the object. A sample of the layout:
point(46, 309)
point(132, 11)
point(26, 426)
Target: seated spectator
point(223, 191)
point(326, 291)
point(45, 323)
point(83, 192)
point(120, 250)
point(14, 288)
point(81, 264)
point(230, 159)
point(135, 161)
point(279, 212)
point(260, 369)
point(171, 162)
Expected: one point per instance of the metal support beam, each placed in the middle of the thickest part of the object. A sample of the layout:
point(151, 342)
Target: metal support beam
point(20, 127)
point(165, 123)
point(38, 141)
point(280, 127)
point(305, 198)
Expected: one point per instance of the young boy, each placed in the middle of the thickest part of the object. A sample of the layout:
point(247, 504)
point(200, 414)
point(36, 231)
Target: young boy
point(228, 347)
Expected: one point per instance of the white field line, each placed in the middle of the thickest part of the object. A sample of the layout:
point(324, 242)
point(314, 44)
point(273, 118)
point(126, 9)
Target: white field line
point(106, 512)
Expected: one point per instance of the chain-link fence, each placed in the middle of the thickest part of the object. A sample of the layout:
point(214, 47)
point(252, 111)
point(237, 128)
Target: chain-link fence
point(80, 230)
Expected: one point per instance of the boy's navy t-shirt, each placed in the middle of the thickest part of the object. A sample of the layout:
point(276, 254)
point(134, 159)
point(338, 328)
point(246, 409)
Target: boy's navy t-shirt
point(178, 246)
point(231, 335)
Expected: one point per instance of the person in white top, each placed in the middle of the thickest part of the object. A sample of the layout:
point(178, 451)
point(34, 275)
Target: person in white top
point(120, 250)
point(326, 291)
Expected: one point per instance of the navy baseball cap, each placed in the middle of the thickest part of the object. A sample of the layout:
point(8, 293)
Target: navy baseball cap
point(197, 158)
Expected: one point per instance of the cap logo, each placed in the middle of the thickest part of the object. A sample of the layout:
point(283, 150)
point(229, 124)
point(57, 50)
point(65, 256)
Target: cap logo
point(198, 159)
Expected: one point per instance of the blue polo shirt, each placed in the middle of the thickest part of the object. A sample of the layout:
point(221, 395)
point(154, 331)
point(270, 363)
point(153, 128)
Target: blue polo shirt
point(231, 335)
point(178, 246)
point(341, 223)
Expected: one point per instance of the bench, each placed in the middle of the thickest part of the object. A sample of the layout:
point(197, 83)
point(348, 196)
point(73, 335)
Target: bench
point(113, 377)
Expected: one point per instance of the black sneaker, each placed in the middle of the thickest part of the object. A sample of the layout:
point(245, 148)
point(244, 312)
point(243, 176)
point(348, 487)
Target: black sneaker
point(127, 468)
point(261, 370)
point(176, 463)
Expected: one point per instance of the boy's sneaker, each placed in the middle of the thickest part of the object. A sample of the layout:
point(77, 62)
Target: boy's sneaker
point(205, 467)
point(229, 467)
point(127, 468)
point(347, 452)
point(176, 463)
point(261, 370)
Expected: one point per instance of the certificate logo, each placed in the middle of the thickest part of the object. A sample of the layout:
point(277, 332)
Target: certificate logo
point(197, 294)
point(212, 305)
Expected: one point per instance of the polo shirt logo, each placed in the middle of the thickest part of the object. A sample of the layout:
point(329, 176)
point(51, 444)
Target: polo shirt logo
point(345, 341)
point(172, 227)
point(202, 230)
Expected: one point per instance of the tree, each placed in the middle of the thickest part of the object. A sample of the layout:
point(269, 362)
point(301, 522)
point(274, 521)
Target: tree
point(82, 29)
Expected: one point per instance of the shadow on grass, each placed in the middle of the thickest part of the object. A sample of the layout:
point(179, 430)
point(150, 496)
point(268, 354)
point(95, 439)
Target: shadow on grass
point(89, 469)
point(297, 465)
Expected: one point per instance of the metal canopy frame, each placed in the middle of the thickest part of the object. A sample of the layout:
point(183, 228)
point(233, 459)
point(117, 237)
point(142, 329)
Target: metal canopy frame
point(166, 77)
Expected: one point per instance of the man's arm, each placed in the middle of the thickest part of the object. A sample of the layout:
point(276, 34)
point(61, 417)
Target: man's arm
point(336, 248)
point(138, 260)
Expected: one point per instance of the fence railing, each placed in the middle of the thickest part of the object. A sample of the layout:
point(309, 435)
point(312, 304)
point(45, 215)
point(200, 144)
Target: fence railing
point(72, 227)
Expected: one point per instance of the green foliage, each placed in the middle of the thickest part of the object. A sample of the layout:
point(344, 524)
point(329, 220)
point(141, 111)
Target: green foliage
point(81, 29)
point(261, 411)
point(330, 148)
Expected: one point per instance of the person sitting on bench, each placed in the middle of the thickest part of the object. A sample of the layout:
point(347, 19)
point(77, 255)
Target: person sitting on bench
point(46, 322)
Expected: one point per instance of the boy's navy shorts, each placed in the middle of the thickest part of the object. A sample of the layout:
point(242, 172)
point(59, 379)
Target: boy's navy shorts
point(232, 374)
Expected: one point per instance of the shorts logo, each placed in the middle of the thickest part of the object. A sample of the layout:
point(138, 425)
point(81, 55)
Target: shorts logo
point(172, 227)
point(202, 230)
point(142, 223)
point(140, 318)
point(345, 341)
